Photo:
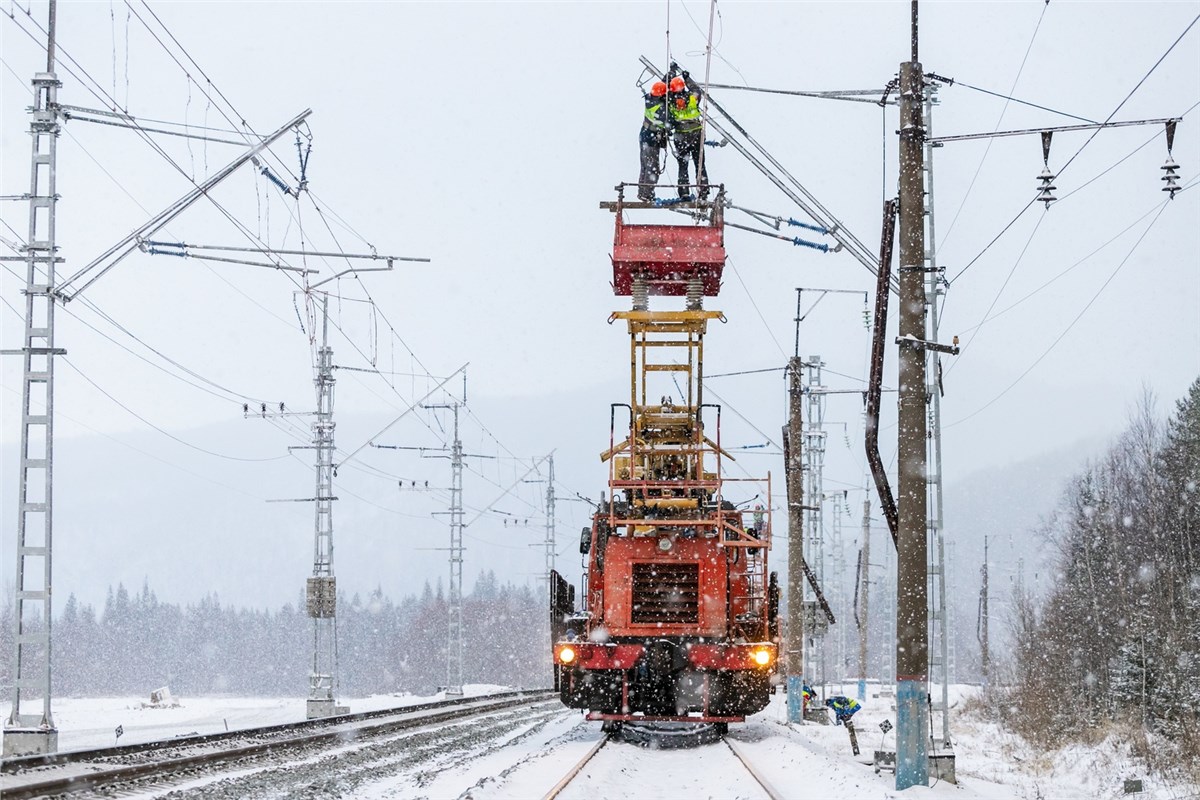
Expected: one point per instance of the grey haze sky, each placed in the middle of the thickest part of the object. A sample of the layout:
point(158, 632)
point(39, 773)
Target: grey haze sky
point(482, 136)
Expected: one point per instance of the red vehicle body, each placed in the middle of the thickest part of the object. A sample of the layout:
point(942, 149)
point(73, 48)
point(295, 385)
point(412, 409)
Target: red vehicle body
point(679, 613)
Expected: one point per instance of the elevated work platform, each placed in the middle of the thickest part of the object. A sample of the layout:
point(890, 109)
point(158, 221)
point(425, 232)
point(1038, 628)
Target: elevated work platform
point(666, 258)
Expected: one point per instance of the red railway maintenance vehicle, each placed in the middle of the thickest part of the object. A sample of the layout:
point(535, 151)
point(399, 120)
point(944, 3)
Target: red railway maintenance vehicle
point(679, 613)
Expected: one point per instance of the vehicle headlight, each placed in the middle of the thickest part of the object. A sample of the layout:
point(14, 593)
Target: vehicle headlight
point(566, 655)
point(762, 657)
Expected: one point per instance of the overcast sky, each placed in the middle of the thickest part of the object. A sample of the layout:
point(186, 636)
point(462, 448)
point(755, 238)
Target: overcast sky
point(482, 136)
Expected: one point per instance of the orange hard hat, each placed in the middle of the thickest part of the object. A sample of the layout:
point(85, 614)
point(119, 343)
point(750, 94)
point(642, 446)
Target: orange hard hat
point(678, 84)
point(658, 89)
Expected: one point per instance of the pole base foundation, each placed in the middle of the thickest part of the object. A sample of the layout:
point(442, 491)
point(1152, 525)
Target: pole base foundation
point(941, 765)
point(29, 742)
point(319, 709)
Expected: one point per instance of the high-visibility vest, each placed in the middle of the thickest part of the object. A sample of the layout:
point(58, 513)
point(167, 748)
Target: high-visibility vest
point(654, 116)
point(687, 119)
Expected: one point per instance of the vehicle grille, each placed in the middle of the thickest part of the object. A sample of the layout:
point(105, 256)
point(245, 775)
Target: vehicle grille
point(666, 593)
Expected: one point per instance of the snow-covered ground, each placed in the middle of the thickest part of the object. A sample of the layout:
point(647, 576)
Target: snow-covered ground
point(85, 723)
point(525, 760)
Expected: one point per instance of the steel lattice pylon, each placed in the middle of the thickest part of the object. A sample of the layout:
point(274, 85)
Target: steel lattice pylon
point(35, 732)
point(322, 586)
point(454, 627)
point(814, 491)
point(941, 668)
point(454, 656)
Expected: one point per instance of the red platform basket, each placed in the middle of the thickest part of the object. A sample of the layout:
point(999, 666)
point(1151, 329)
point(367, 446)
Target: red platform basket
point(668, 255)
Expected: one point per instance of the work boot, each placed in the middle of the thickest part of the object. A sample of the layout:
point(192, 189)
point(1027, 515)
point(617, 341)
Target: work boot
point(646, 197)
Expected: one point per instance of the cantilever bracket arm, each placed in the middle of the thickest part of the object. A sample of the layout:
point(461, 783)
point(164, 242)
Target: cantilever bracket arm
point(337, 275)
point(964, 137)
point(912, 341)
point(117, 253)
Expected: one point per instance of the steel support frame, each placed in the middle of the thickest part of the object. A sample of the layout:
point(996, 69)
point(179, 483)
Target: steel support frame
point(35, 732)
point(322, 679)
point(941, 668)
point(814, 539)
point(454, 621)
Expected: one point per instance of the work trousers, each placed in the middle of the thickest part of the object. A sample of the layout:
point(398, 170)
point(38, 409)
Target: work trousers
point(688, 147)
point(651, 145)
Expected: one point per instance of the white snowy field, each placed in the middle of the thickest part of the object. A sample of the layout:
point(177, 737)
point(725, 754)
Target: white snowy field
point(84, 723)
point(809, 761)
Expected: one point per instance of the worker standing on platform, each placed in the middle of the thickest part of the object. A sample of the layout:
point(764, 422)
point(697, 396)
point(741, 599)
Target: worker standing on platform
point(687, 130)
point(652, 139)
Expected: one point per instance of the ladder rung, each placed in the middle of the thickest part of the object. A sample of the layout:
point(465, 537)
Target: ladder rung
point(37, 419)
point(35, 463)
point(38, 377)
point(32, 594)
point(31, 550)
point(38, 507)
point(31, 638)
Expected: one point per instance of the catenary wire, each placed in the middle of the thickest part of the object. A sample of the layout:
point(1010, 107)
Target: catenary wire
point(966, 85)
point(1012, 271)
point(1045, 285)
point(1090, 181)
point(1081, 149)
point(1061, 336)
point(167, 462)
point(150, 424)
point(1003, 111)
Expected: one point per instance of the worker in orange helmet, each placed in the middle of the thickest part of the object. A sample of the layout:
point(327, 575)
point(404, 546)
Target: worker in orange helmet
point(652, 139)
point(686, 124)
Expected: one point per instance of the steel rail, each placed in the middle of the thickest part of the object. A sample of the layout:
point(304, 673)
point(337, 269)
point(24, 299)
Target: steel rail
point(771, 791)
point(575, 770)
point(383, 721)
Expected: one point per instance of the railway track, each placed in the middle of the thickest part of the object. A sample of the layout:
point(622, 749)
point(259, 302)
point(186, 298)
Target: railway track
point(737, 752)
point(203, 759)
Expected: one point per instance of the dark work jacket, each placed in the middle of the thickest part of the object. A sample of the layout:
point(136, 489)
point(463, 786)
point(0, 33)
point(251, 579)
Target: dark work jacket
point(654, 121)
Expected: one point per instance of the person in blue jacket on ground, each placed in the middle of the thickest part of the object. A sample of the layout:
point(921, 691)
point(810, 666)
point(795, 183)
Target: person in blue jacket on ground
point(843, 707)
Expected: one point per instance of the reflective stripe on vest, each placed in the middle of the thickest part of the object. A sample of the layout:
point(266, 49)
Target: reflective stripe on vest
point(654, 116)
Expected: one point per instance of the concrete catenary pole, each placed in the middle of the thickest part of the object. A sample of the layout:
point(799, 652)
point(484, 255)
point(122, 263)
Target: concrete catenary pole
point(794, 645)
point(912, 607)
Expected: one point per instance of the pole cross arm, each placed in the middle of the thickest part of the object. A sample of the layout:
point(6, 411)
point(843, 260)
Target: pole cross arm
point(964, 137)
point(115, 254)
point(921, 344)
